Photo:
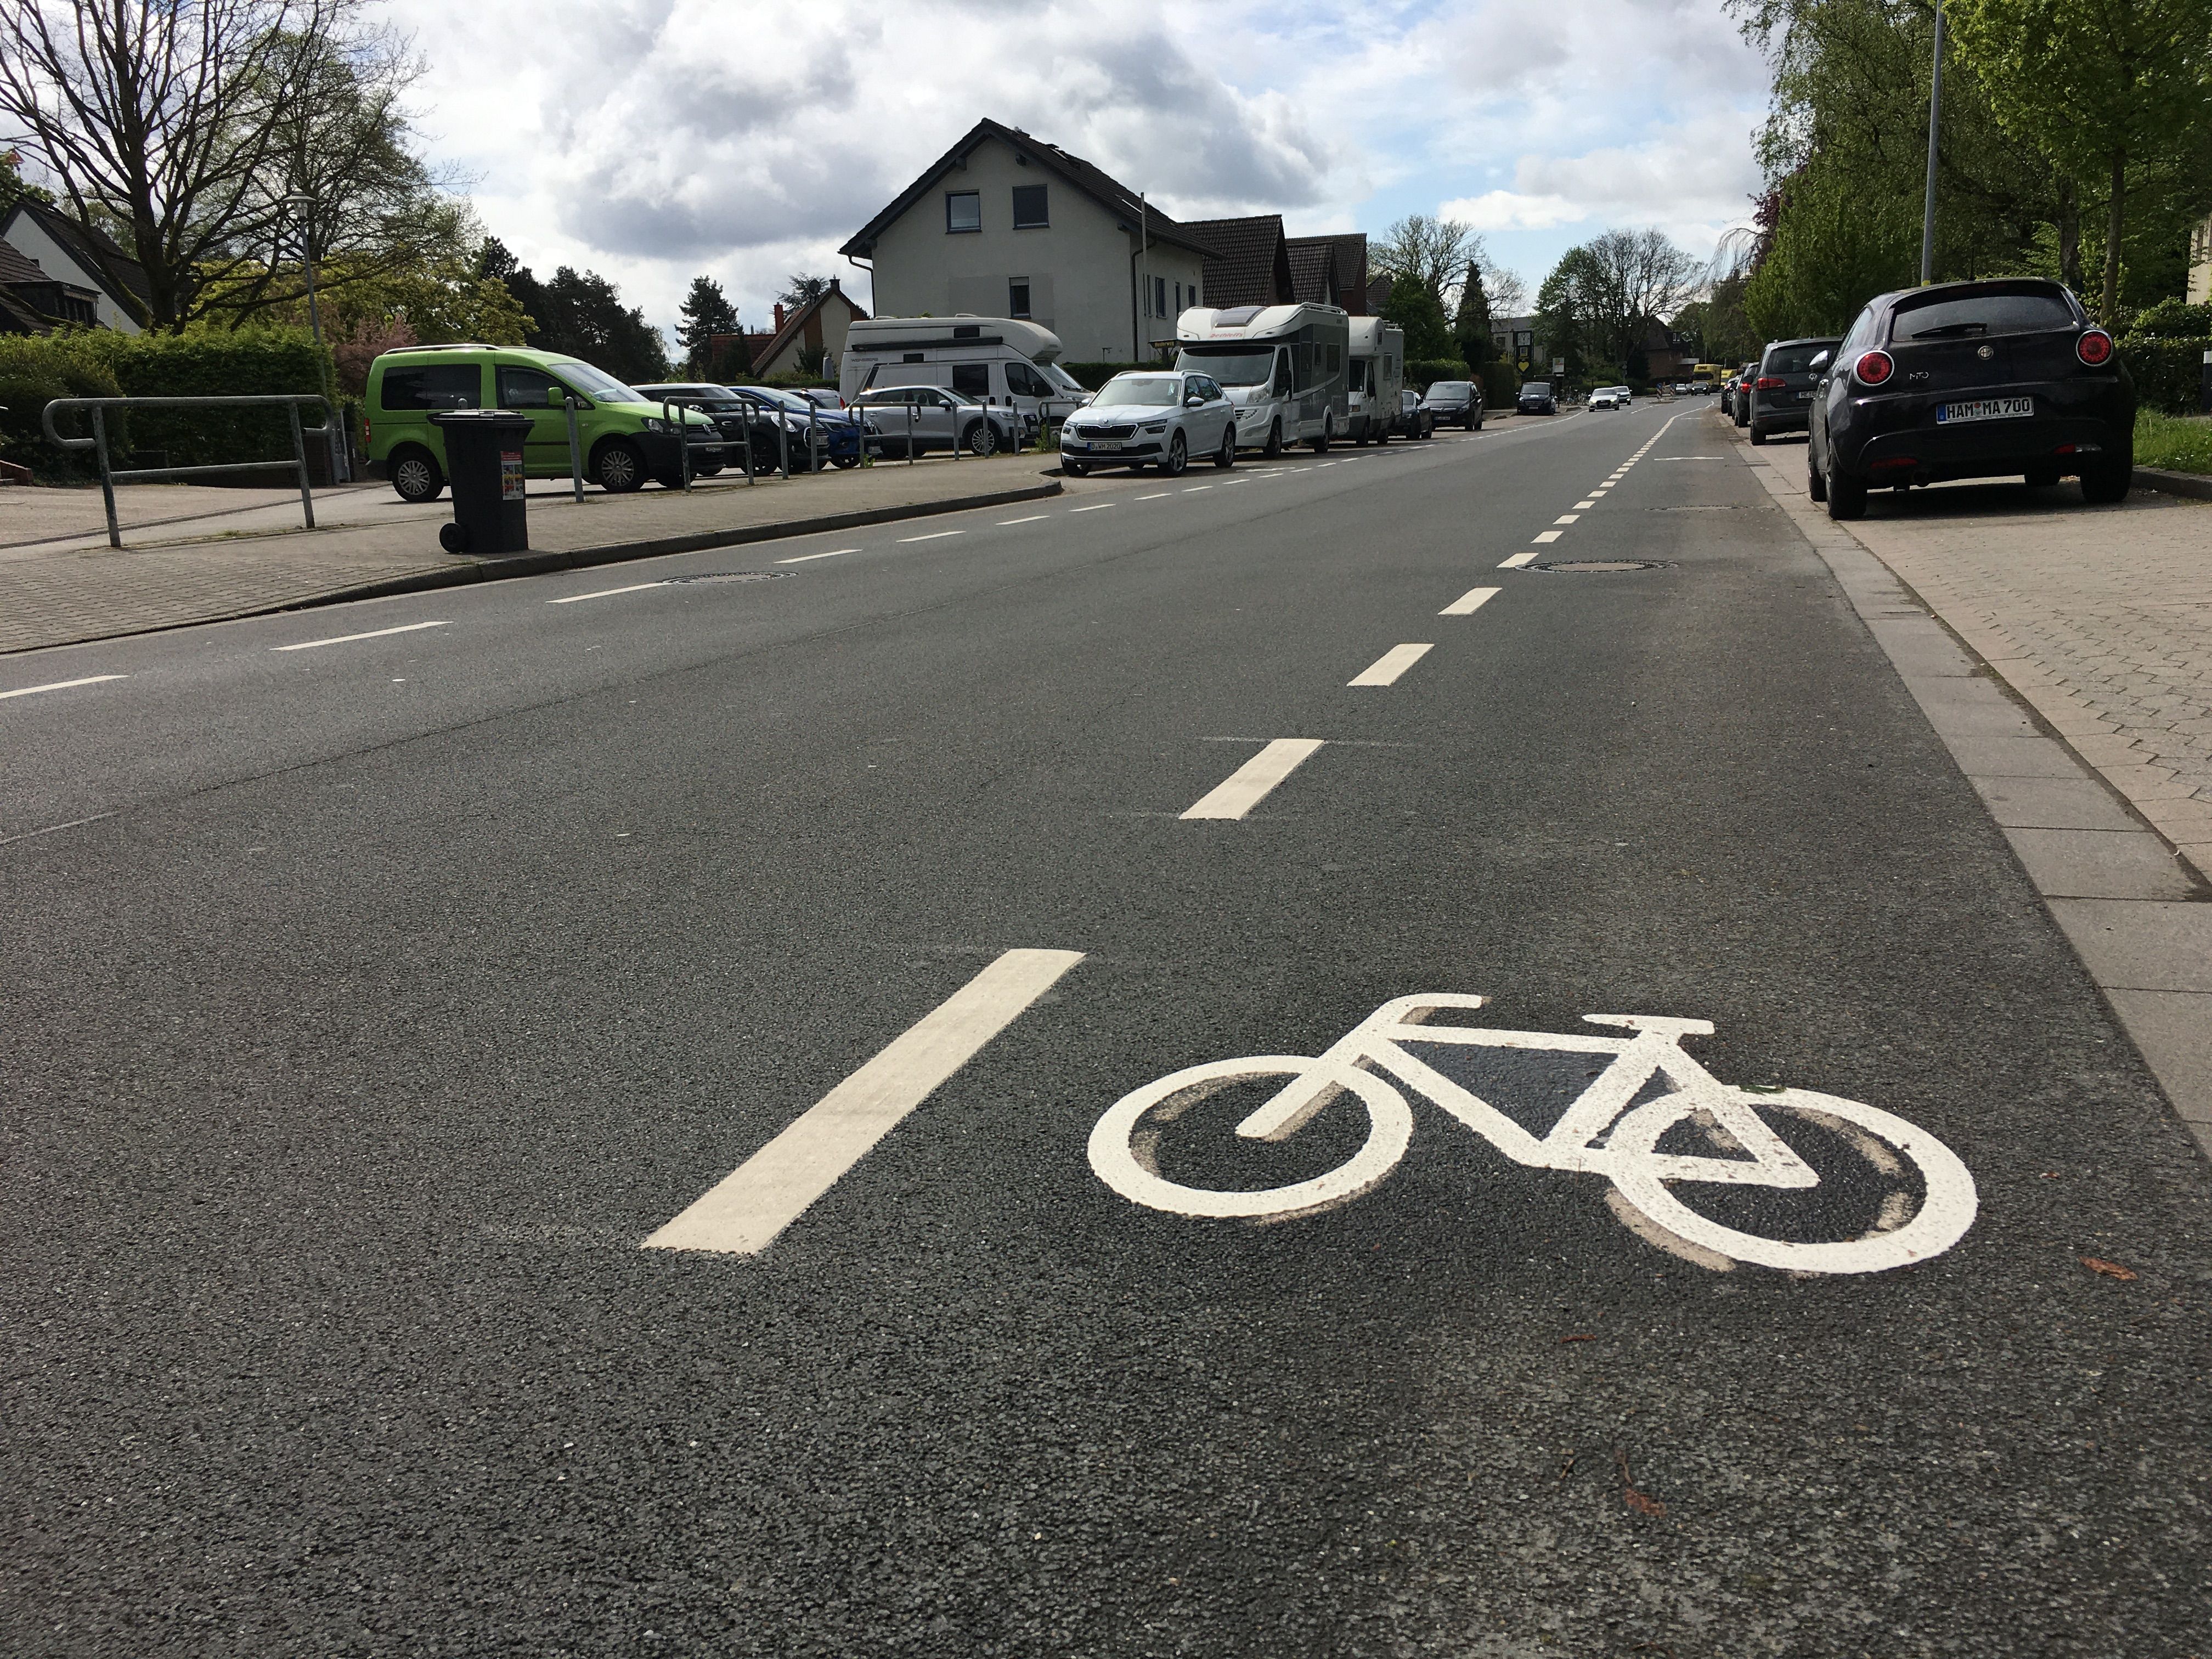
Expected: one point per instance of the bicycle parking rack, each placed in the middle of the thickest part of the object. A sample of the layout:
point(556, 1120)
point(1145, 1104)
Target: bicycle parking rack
point(108, 476)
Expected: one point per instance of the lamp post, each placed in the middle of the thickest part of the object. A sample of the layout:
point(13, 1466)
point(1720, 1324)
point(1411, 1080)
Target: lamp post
point(1935, 118)
point(304, 204)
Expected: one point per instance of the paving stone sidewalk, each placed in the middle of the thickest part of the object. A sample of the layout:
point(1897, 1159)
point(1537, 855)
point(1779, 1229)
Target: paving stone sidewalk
point(241, 561)
point(2101, 618)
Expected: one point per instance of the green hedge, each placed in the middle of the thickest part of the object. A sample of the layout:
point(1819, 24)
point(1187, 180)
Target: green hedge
point(2169, 373)
point(1422, 372)
point(1501, 384)
point(102, 362)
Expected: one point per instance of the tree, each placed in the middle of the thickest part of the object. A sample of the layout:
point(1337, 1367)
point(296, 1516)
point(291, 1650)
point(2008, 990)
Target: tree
point(1835, 247)
point(1415, 307)
point(585, 317)
point(1433, 253)
point(14, 187)
point(1508, 294)
point(1471, 327)
point(1568, 308)
point(2094, 84)
point(706, 311)
point(171, 124)
point(800, 288)
point(1641, 275)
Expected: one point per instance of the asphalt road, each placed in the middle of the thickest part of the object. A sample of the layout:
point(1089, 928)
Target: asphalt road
point(368, 1007)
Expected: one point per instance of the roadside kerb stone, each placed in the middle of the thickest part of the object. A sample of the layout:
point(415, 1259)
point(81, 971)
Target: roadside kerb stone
point(2138, 915)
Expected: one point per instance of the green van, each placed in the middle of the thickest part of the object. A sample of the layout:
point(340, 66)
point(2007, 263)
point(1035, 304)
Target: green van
point(623, 434)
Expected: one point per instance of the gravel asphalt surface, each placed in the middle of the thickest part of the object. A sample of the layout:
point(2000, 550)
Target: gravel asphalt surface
point(363, 1008)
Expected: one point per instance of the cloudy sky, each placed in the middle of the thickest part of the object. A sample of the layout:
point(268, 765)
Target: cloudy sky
point(747, 138)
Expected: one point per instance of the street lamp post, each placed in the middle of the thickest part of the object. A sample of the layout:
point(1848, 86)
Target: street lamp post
point(1934, 119)
point(340, 471)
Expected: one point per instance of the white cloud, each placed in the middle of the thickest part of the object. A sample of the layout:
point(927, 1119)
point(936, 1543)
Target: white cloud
point(1506, 209)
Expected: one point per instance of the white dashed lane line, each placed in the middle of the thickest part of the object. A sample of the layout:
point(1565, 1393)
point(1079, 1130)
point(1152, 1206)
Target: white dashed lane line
point(1517, 561)
point(1386, 668)
point(1159, 496)
point(834, 553)
point(1566, 518)
point(1034, 518)
point(933, 536)
point(348, 639)
point(60, 685)
point(1096, 507)
point(1470, 602)
point(1544, 536)
point(1250, 784)
point(609, 592)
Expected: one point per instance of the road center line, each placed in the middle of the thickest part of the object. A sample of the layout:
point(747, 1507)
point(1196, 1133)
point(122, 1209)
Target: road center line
point(60, 685)
point(744, 1211)
point(1566, 518)
point(1517, 561)
point(1095, 507)
point(1470, 602)
point(1386, 668)
point(1250, 784)
point(373, 634)
point(609, 592)
point(1032, 518)
point(1193, 489)
point(933, 536)
point(834, 553)
point(1579, 505)
point(1160, 496)
point(1543, 535)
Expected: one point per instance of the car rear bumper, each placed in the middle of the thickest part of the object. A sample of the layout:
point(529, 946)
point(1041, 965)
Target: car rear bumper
point(1890, 439)
point(1788, 417)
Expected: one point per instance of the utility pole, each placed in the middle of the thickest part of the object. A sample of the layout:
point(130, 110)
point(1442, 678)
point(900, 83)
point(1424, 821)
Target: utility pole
point(340, 471)
point(1935, 122)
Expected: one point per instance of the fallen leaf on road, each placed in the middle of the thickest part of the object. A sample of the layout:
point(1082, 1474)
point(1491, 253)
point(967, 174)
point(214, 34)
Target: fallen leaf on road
point(1642, 1502)
point(1578, 1338)
point(2110, 1269)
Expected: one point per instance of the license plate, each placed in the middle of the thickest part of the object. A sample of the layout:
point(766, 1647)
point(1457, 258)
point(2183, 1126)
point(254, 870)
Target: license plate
point(1105, 446)
point(1989, 409)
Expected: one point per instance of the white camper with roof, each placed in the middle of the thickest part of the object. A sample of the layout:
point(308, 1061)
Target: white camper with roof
point(1000, 360)
point(1377, 376)
point(1283, 366)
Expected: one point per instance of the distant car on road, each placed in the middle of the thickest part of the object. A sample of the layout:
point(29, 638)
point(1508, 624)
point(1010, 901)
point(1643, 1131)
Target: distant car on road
point(1780, 395)
point(1151, 418)
point(1415, 419)
point(1609, 397)
point(1536, 398)
point(1736, 399)
point(1453, 402)
point(1970, 380)
point(926, 417)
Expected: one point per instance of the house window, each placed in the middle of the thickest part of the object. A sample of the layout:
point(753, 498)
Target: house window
point(1159, 296)
point(963, 212)
point(1018, 296)
point(1178, 312)
point(1030, 212)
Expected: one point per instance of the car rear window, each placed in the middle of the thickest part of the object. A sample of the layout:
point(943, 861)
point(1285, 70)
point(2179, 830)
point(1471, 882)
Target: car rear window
point(1982, 313)
point(1450, 389)
point(1796, 359)
point(434, 385)
point(1537, 389)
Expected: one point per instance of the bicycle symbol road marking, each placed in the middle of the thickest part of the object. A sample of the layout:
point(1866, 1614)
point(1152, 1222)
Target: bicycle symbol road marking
point(1603, 1132)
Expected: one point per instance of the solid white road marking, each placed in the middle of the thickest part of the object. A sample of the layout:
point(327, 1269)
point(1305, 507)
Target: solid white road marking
point(1095, 507)
point(933, 536)
point(1250, 784)
point(771, 1189)
point(609, 592)
point(1470, 602)
point(1566, 518)
point(1543, 535)
point(834, 553)
point(1517, 561)
point(348, 639)
point(1386, 668)
point(60, 685)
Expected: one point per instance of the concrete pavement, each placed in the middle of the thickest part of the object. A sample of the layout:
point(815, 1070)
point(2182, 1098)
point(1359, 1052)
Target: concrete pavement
point(373, 996)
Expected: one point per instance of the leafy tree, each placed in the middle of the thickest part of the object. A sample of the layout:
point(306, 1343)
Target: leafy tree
point(802, 289)
point(1835, 247)
point(2094, 84)
point(1415, 308)
point(1568, 308)
point(1640, 276)
point(1471, 327)
point(585, 317)
point(1431, 254)
point(14, 187)
point(706, 311)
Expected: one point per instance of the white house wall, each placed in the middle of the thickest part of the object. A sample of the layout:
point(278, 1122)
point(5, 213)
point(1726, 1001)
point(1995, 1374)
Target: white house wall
point(29, 238)
point(1079, 268)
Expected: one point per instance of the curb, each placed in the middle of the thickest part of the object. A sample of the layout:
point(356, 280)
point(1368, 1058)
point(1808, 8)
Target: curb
point(2173, 484)
point(536, 564)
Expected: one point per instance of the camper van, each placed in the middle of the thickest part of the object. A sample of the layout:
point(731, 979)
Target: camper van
point(1000, 360)
point(1377, 375)
point(1283, 366)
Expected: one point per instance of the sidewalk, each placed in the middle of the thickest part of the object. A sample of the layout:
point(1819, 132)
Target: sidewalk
point(196, 555)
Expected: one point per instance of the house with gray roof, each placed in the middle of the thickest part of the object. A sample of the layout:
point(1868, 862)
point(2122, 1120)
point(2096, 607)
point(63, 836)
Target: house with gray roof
point(80, 257)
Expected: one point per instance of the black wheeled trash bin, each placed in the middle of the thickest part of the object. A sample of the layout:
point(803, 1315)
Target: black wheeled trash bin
point(483, 460)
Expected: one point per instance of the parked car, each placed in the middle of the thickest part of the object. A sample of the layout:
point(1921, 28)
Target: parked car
point(1453, 402)
point(1780, 394)
point(1536, 398)
point(1738, 393)
point(1150, 417)
point(823, 397)
point(1970, 380)
point(624, 436)
point(940, 420)
point(775, 422)
point(1415, 418)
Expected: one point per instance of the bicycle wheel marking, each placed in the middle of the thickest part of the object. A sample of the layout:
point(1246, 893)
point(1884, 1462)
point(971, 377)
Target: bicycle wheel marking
point(1647, 1090)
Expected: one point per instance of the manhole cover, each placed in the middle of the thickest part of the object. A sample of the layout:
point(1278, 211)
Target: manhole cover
point(1599, 567)
point(731, 576)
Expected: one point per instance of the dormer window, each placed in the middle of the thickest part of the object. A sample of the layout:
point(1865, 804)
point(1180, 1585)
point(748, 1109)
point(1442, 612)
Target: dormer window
point(963, 212)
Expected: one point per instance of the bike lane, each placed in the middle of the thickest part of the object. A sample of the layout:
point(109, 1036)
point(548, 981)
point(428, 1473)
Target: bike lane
point(972, 1399)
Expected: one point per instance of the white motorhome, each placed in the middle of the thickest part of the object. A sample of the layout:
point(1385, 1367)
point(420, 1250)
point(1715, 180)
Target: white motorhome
point(1283, 366)
point(1001, 360)
point(1377, 376)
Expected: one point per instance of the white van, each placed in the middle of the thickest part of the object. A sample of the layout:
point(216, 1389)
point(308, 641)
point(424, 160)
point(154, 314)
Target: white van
point(1283, 366)
point(1000, 360)
point(1375, 378)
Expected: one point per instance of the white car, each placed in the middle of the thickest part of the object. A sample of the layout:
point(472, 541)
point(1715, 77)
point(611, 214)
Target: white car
point(1609, 397)
point(1151, 418)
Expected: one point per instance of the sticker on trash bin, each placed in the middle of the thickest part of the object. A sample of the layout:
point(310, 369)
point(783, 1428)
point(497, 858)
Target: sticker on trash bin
point(510, 476)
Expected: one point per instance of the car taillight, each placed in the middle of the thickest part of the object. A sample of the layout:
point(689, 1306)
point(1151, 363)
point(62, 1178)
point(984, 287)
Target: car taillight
point(1872, 367)
point(2094, 348)
point(1768, 383)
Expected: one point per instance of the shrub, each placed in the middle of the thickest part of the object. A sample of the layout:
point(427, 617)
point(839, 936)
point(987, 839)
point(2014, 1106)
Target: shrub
point(1422, 372)
point(1501, 384)
point(2172, 320)
point(28, 382)
point(2169, 373)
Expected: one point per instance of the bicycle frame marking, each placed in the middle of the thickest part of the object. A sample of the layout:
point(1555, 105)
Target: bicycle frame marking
point(1602, 1132)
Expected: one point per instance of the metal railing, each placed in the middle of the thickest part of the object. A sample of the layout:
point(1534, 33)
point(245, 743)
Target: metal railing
point(109, 477)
